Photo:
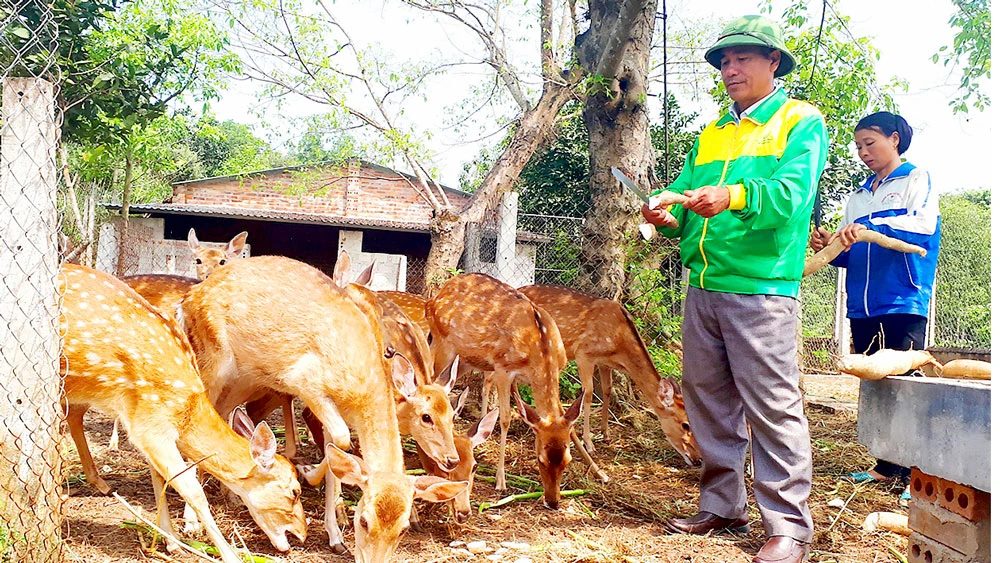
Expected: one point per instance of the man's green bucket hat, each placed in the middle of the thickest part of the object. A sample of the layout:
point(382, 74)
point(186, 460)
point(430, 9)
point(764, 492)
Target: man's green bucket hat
point(755, 31)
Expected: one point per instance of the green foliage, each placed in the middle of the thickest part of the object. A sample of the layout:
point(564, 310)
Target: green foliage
point(681, 137)
point(963, 313)
point(654, 298)
point(835, 73)
point(227, 148)
point(556, 180)
point(970, 51)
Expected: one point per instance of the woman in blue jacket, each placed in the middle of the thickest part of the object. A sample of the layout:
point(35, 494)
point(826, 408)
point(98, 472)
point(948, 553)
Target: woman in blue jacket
point(888, 292)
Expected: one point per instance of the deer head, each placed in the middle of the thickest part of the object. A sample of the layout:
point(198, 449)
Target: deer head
point(675, 424)
point(206, 260)
point(552, 437)
point(382, 515)
point(465, 443)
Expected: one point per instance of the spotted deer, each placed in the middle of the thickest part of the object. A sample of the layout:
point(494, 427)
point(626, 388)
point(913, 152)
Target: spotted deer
point(498, 331)
point(600, 333)
point(124, 358)
point(296, 332)
point(207, 260)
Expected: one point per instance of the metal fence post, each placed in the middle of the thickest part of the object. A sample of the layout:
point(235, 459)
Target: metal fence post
point(30, 385)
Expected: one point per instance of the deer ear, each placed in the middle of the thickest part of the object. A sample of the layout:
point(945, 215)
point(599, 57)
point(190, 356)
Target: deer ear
point(193, 240)
point(349, 468)
point(365, 278)
point(460, 404)
point(241, 423)
point(527, 413)
point(436, 489)
point(341, 269)
point(235, 246)
point(451, 374)
point(403, 376)
point(481, 432)
point(573, 412)
point(263, 446)
point(666, 390)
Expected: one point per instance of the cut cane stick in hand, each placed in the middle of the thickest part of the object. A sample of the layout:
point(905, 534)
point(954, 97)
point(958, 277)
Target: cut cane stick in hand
point(836, 246)
point(663, 200)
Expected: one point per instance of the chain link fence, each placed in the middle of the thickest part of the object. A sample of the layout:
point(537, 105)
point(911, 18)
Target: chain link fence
point(30, 465)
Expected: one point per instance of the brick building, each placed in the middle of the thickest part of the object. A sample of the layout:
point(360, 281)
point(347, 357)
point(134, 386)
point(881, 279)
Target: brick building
point(308, 213)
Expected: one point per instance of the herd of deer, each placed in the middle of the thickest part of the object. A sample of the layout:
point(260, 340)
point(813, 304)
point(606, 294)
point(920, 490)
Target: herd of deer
point(174, 357)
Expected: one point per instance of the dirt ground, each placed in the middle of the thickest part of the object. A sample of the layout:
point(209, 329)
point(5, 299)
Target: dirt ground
point(618, 521)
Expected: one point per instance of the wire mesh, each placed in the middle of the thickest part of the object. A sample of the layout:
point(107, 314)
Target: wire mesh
point(30, 465)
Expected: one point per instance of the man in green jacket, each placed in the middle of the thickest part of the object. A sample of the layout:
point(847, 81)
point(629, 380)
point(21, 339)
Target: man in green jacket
point(751, 181)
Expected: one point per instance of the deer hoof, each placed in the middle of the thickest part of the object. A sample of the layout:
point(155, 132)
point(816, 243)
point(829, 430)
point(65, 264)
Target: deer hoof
point(340, 549)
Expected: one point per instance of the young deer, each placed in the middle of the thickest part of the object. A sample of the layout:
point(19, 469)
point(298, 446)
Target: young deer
point(122, 357)
point(207, 260)
point(298, 333)
point(600, 332)
point(461, 505)
point(496, 329)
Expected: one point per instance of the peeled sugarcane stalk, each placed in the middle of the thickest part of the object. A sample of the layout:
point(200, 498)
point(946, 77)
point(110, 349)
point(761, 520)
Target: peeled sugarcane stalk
point(884, 363)
point(967, 369)
point(662, 200)
point(836, 246)
point(890, 521)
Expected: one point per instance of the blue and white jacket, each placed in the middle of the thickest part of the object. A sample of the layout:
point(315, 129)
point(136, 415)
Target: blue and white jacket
point(882, 281)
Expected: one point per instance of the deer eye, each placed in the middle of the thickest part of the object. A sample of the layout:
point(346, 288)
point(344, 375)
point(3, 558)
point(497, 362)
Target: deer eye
point(686, 427)
point(222, 262)
point(197, 260)
point(426, 418)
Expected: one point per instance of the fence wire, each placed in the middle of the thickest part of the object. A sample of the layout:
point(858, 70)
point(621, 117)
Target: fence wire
point(30, 465)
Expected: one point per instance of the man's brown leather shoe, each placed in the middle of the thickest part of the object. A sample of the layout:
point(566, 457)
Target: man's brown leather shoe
point(782, 549)
point(705, 522)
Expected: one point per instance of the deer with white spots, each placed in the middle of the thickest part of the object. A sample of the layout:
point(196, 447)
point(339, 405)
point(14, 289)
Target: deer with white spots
point(600, 333)
point(298, 333)
point(500, 332)
point(207, 260)
point(122, 357)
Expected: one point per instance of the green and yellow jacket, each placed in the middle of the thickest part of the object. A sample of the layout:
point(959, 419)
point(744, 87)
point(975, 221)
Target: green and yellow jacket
point(770, 162)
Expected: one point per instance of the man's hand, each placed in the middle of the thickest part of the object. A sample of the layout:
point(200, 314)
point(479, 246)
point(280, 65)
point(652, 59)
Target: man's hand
point(659, 216)
point(849, 234)
point(819, 239)
point(707, 201)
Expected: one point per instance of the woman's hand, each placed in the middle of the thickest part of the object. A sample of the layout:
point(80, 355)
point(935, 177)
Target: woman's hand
point(849, 234)
point(819, 239)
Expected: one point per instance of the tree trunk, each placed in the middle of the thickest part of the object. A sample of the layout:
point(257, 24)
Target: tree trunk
point(448, 227)
point(126, 197)
point(618, 124)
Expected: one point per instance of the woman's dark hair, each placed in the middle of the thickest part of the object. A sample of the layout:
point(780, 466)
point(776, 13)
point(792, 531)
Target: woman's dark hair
point(888, 123)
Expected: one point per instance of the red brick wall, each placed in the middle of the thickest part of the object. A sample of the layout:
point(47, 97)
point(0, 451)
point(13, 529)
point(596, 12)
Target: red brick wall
point(363, 193)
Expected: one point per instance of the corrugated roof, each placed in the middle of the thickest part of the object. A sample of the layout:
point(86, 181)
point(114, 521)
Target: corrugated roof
point(362, 163)
point(268, 215)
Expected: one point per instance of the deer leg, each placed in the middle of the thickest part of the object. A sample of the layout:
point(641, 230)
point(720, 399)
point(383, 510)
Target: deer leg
point(487, 389)
point(502, 383)
point(334, 505)
point(291, 430)
point(604, 373)
point(163, 513)
point(586, 370)
point(113, 441)
point(163, 455)
point(74, 419)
